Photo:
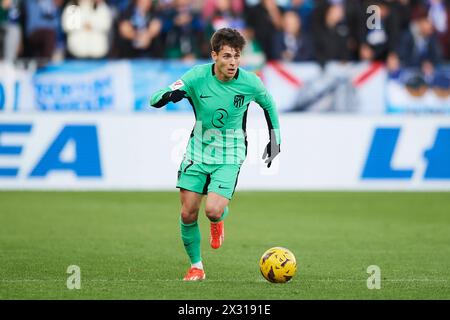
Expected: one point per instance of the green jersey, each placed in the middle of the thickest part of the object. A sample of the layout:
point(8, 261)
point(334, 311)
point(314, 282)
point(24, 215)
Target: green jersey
point(220, 110)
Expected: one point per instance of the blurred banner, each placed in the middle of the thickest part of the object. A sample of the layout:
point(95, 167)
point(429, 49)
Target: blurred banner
point(409, 91)
point(143, 151)
point(337, 88)
point(125, 86)
point(87, 86)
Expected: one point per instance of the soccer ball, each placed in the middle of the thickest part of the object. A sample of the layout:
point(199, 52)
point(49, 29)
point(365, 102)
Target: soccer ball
point(278, 265)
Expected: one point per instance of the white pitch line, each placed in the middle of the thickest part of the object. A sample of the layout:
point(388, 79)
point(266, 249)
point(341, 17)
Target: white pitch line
point(218, 280)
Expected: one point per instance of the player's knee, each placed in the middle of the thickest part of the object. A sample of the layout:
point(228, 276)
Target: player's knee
point(189, 214)
point(213, 212)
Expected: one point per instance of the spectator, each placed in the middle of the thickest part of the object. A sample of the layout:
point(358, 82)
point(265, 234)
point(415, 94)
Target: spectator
point(439, 13)
point(13, 32)
point(354, 19)
point(441, 85)
point(87, 23)
point(211, 6)
point(401, 9)
point(419, 46)
point(224, 16)
point(183, 30)
point(139, 30)
point(3, 21)
point(165, 5)
point(332, 36)
point(304, 9)
point(351, 23)
point(117, 5)
point(291, 44)
point(265, 19)
point(41, 24)
point(379, 41)
point(252, 53)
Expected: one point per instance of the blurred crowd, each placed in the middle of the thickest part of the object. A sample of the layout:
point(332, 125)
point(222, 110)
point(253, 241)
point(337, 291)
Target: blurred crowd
point(397, 32)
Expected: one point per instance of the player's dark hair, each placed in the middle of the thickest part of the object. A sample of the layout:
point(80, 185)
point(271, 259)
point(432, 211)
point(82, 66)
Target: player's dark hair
point(227, 37)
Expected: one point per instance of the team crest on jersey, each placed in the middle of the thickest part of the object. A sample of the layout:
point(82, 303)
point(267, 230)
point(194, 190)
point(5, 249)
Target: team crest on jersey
point(176, 85)
point(238, 100)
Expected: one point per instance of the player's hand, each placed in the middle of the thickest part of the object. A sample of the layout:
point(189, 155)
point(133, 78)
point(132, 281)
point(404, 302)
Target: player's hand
point(270, 152)
point(176, 95)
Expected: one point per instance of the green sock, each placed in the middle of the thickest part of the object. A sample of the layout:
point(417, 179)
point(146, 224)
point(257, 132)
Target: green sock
point(223, 216)
point(190, 234)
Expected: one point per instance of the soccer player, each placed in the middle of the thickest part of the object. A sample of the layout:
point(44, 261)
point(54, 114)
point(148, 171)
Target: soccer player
point(220, 93)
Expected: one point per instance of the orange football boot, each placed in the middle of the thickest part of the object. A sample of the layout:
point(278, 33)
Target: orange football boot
point(194, 274)
point(217, 234)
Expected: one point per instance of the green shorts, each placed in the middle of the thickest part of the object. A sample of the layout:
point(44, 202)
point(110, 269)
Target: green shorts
point(203, 178)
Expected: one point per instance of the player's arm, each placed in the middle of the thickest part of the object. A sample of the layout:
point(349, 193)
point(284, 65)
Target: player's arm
point(162, 97)
point(175, 92)
point(265, 100)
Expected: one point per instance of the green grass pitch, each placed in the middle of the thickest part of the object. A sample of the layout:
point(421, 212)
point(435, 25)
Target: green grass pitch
point(128, 245)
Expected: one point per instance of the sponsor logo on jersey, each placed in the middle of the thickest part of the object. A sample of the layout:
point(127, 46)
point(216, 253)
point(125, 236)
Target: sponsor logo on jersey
point(219, 118)
point(176, 85)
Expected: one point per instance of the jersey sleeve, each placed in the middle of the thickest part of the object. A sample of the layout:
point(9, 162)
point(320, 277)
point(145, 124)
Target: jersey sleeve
point(265, 100)
point(185, 83)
